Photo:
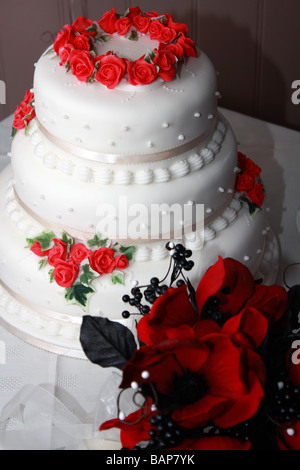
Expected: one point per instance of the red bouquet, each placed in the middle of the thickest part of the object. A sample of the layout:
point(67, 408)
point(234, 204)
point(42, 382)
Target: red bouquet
point(217, 366)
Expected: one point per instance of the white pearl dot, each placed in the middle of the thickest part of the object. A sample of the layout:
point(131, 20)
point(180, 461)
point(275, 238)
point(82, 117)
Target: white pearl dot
point(145, 375)
point(121, 416)
point(246, 258)
point(181, 137)
point(134, 385)
point(209, 210)
point(197, 115)
point(210, 116)
point(165, 125)
point(290, 432)
point(222, 190)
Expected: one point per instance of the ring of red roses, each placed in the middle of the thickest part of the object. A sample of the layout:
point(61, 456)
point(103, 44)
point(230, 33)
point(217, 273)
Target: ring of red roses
point(75, 47)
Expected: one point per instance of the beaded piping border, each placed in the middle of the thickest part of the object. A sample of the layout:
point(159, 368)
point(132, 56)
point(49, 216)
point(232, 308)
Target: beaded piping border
point(105, 176)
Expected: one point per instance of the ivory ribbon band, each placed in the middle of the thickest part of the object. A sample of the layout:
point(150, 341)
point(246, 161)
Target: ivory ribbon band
point(119, 158)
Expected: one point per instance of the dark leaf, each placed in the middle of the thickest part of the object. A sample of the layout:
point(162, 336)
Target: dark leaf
point(105, 342)
point(192, 295)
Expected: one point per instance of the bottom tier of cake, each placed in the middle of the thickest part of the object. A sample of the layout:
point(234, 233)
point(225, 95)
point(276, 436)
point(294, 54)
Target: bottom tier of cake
point(36, 310)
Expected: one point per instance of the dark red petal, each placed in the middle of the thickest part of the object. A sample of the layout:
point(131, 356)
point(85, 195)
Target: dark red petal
point(170, 310)
point(211, 283)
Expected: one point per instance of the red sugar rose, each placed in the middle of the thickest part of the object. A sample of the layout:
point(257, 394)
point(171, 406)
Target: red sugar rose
point(142, 23)
point(188, 46)
point(121, 262)
point(64, 53)
point(111, 70)
point(81, 42)
point(36, 249)
point(79, 253)
point(58, 252)
point(178, 27)
point(155, 29)
point(81, 24)
point(256, 194)
point(133, 12)
point(166, 61)
point(65, 273)
point(141, 72)
point(123, 25)
point(175, 48)
point(82, 64)
point(161, 33)
point(108, 21)
point(65, 36)
point(102, 261)
point(244, 182)
point(25, 112)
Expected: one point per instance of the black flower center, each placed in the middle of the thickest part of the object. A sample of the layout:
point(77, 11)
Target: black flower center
point(190, 387)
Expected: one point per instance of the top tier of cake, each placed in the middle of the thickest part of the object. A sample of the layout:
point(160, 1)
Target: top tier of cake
point(132, 118)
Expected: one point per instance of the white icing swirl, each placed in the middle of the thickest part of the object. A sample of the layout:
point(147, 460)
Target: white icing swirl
point(180, 169)
point(35, 138)
point(194, 241)
point(221, 127)
point(144, 176)
point(66, 167)
point(162, 175)
point(209, 234)
point(50, 161)
point(84, 174)
point(142, 254)
point(207, 155)
point(235, 204)
point(214, 147)
point(196, 162)
point(40, 149)
point(218, 137)
point(123, 177)
point(103, 176)
point(159, 252)
point(230, 214)
point(219, 224)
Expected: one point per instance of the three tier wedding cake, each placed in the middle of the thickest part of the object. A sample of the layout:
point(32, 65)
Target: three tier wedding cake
point(118, 151)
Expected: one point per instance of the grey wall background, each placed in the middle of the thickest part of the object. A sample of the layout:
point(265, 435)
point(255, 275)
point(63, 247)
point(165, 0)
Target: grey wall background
point(254, 45)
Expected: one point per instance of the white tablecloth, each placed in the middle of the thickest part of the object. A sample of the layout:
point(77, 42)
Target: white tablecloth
point(44, 395)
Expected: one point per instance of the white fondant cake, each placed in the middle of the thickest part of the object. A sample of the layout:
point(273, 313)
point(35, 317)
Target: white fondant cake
point(85, 144)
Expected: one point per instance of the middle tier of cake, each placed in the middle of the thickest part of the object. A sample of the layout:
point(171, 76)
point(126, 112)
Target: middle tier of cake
point(79, 195)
